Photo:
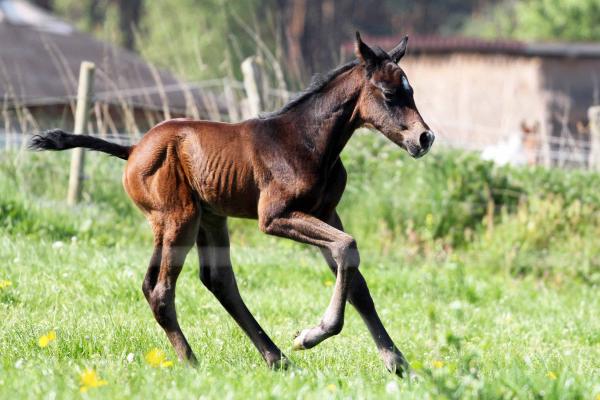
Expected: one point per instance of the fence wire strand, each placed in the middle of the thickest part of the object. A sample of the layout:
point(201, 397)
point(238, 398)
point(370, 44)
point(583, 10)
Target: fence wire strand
point(562, 151)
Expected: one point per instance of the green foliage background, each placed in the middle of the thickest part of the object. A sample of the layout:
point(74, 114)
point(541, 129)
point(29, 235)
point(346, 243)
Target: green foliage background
point(198, 39)
point(562, 20)
point(204, 39)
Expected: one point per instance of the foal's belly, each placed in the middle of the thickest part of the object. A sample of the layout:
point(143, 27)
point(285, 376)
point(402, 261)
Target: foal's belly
point(222, 175)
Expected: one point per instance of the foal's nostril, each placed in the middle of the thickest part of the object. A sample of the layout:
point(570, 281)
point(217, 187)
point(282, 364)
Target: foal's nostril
point(426, 140)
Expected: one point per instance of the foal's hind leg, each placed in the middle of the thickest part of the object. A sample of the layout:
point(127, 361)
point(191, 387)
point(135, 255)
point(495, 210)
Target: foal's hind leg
point(360, 297)
point(173, 240)
point(217, 275)
point(308, 229)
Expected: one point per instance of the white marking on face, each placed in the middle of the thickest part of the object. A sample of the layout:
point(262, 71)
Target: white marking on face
point(405, 84)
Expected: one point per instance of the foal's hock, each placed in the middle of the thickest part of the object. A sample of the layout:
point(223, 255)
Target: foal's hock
point(283, 169)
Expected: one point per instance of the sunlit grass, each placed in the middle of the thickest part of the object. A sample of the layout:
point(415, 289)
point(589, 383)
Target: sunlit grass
point(517, 337)
point(511, 312)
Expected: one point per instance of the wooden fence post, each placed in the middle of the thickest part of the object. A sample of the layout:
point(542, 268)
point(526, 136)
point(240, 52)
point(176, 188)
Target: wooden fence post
point(84, 95)
point(230, 101)
point(251, 72)
point(594, 118)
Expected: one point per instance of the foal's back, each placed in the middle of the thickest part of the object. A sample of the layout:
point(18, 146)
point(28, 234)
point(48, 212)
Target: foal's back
point(182, 162)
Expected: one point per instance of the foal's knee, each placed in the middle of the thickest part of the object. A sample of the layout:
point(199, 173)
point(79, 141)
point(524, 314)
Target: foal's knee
point(345, 253)
point(161, 302)
point(147, 289)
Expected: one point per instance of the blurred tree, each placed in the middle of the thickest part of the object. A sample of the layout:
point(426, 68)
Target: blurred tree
point(129, 21)
point(314, 30)
point(96, 13)
point(45, 4)
point(433, 17)
point(208, 38)
point(204, 38)
point(93, 15)
point(569, 20)
point(558, 19)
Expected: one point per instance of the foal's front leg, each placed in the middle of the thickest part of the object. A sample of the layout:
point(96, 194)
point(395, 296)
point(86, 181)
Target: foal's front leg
point(342, 247)
point(360, 297)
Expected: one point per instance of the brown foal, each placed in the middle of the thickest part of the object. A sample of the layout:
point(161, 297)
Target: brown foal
point(283, 169)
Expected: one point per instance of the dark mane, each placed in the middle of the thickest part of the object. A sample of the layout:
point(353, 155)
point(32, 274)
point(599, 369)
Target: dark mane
point(317, 84)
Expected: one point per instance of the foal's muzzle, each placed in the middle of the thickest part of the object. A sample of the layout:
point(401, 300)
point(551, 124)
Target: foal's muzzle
point(426, 140)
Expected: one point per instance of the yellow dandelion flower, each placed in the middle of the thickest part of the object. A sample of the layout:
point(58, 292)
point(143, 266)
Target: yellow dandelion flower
point(157, 358)
point(46, 339)
point(551, 375)
point(598, 396)
point(4, 284)
point(331, 387)
point(90, 379)
point(437, 364)
point(328, 283)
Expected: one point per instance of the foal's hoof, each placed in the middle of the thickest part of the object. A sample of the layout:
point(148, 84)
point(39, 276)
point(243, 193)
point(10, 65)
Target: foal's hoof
point(192, 362)
point(396, 364)
point(277, 361)
point(299, 341)
point(283, 364)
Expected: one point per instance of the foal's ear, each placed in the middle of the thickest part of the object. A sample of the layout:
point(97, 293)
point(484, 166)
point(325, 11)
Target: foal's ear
point(399, 50)
point(364, 53)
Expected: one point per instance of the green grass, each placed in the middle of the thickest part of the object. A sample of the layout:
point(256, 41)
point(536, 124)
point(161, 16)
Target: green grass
point(480, 311)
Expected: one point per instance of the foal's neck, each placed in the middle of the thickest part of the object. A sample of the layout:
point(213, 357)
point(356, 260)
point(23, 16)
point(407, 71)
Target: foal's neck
point(325, 121)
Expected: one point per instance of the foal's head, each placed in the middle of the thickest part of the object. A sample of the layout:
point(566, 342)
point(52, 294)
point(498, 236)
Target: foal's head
point(386, 101)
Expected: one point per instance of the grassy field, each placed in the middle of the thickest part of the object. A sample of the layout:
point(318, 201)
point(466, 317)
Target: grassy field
point(487, 278)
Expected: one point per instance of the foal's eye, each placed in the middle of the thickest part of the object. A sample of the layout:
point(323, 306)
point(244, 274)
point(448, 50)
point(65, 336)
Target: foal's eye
point(390, 95)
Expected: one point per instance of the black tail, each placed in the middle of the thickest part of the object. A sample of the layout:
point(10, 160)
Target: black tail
point(57, 139)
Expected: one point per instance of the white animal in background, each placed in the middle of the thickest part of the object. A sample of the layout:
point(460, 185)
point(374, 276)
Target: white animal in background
point(508, 151)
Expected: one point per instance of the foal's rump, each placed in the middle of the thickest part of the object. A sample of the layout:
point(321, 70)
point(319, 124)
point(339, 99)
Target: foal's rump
point(179, 163)
point(206, 160)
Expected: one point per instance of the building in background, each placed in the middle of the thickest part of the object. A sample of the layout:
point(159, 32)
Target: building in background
point(40, 57)
point(500, 95)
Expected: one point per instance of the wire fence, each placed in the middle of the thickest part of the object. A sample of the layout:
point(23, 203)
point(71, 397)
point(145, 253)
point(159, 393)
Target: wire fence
point(572, 158)
point(226, 100)
point(577, 157)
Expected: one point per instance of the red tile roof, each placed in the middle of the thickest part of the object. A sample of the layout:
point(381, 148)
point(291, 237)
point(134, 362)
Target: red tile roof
point(460, 44)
